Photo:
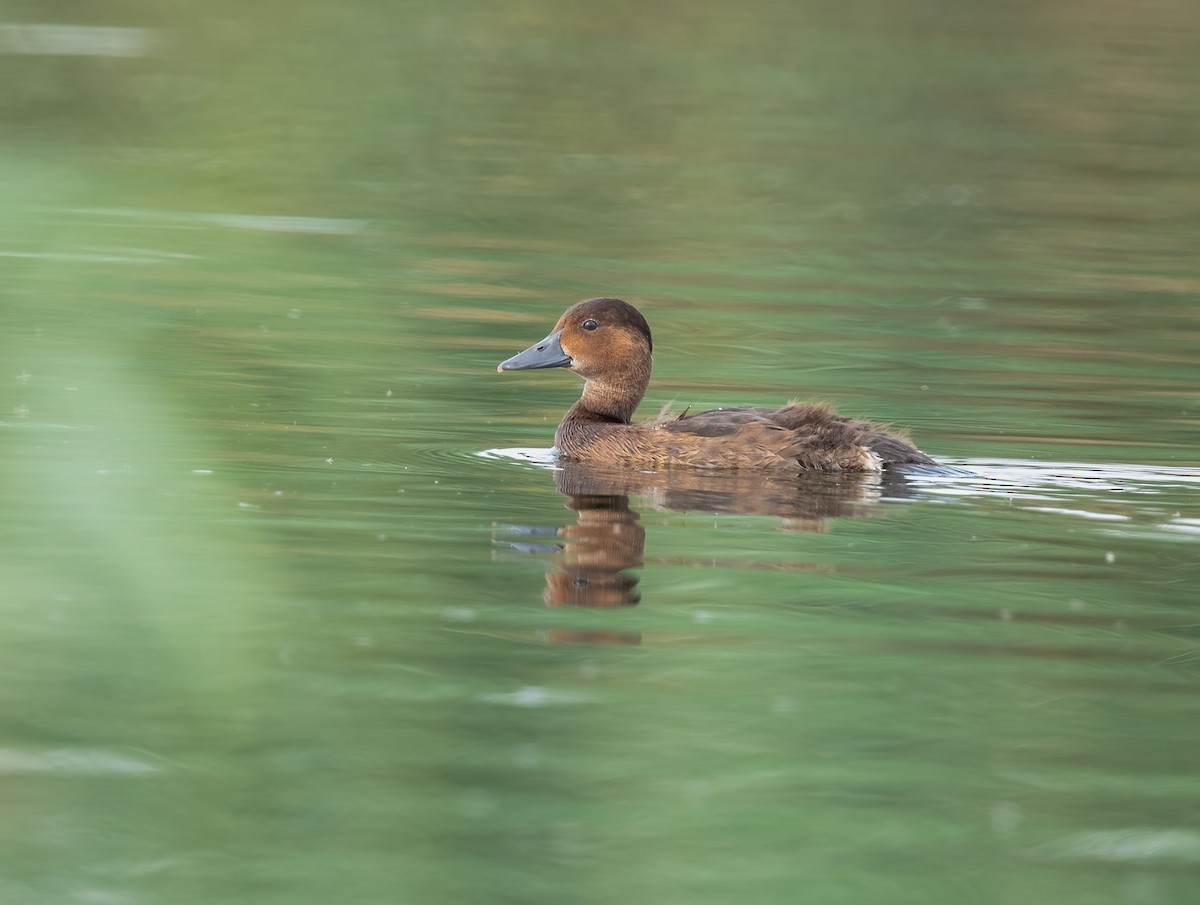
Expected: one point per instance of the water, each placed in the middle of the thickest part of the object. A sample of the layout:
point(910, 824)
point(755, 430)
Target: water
point(296, 607)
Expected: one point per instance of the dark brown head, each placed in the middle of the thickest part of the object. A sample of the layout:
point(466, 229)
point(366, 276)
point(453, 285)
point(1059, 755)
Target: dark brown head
point(592, 338)
point(606, 342)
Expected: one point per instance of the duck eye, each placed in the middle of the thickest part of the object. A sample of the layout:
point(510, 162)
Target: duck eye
point(589, 324)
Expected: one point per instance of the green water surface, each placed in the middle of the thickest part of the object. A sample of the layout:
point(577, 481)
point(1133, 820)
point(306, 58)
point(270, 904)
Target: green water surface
point(296, 608)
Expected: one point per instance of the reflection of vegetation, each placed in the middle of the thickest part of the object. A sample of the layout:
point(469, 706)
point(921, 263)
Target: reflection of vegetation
point(967, 218)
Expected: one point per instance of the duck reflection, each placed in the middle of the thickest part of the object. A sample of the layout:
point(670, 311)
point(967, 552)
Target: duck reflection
point(595, 555)
point(803, 502)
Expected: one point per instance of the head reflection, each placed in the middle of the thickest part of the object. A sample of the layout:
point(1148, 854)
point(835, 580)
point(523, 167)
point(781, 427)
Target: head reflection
point(605, 541)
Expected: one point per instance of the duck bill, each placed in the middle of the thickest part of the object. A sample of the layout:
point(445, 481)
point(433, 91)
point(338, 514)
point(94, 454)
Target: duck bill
point(546, 354)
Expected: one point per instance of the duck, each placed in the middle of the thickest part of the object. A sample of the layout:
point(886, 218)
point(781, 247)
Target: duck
point(607, 342)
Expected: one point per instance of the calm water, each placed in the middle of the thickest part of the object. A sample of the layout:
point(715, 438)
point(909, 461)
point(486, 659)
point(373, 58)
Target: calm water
point(297, 609)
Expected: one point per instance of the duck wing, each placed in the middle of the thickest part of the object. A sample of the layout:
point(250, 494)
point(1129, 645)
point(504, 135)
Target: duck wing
point(719, 422)
point(810, 434)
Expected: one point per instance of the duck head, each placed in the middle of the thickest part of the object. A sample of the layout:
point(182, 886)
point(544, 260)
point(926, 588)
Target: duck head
point(606, 342)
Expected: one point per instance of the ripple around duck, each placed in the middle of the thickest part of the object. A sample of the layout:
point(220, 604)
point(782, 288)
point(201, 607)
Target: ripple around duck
point(1009, 475)
point(1101, 492)
point(1116, 493)
point(533, 455)
point(428, 451)
point(983, 476)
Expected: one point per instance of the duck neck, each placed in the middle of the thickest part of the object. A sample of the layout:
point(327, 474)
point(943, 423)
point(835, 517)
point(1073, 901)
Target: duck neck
point(612, 401)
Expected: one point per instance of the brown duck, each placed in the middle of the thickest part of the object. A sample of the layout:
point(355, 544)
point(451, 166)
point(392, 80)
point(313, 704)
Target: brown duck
point(607, 342)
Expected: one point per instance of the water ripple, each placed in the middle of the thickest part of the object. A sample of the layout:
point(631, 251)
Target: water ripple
point(74, 762)
point(1101, 492)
